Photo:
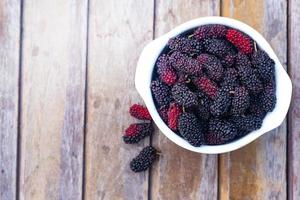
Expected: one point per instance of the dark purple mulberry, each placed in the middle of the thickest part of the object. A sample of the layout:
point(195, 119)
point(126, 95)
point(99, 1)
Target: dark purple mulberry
point(203, 108)
point(183, 96)
point(185, 45)
point(228, 60)
point(240, 101)
point(161, 93)
point(144, 159)
point(185, 64)
point(212, 66)
point(230, 79)
point(190, 128)
point(267, 98)
point(247, 123)
point(219, 47)
point(210, 31)
point(220, 132)
point(264, 64)
point(255, 108)
point(247, 75)
point(221, 103)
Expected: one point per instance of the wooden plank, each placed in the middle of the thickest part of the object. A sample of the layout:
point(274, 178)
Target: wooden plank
point(118, 32)
point(181, 174)
point(258, 171)
point(54, 63)
point(294, 116)
point(9, 76)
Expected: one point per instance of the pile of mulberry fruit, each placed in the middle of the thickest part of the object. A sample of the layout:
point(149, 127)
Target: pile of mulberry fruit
point(137, 132)
point(213, 84)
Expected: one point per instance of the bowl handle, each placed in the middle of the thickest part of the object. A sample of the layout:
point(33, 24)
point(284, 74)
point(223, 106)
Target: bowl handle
point(145, 65)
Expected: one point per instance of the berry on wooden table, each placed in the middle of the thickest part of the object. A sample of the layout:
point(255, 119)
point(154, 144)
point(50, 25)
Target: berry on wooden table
point(139, 112)
point(144, 159)
point(136, 132)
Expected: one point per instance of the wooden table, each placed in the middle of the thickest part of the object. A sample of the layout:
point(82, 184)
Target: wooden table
point(66, 83)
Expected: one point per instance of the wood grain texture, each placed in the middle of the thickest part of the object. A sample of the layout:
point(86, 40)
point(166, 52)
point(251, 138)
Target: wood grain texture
point(181, 174)
point(258, 171)
point(53, 82)
point(118, 32)
point(9, 75)
point(294, 115)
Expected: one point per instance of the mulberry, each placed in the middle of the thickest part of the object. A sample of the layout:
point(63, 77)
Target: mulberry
point(212, 65)
point(144, 159)
point(139, 112)
point(205, 85)
point(185, 64)
point(247, 75)
point(136, 132)
point(218, 47)
point(240, 101)
point(247, 123)
point(255, 108)
point(243, 42)
point(228, 60)
point(161, 93)
point(165, 71)
point(210, 31)
point(163, 113)
point(220, 132)
point(221, 103)
point(183, 96)
point(230, 79)
point(190, 128)
point(185, 45)
point(264, 65)
point(203, 108)
point(173, 116)
point(267, 98)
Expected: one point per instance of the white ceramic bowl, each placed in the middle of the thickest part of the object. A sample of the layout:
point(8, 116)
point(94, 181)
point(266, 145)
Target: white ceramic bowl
point(146, 64)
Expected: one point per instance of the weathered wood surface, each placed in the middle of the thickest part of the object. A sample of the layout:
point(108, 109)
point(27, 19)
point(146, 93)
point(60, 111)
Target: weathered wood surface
point(118, 32)
point(258, 171)
point(53, 85)
point(294, 115)
point(9, 76)
point(181, 174)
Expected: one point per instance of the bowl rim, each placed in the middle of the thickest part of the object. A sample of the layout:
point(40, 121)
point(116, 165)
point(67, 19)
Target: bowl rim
point(147, 62)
